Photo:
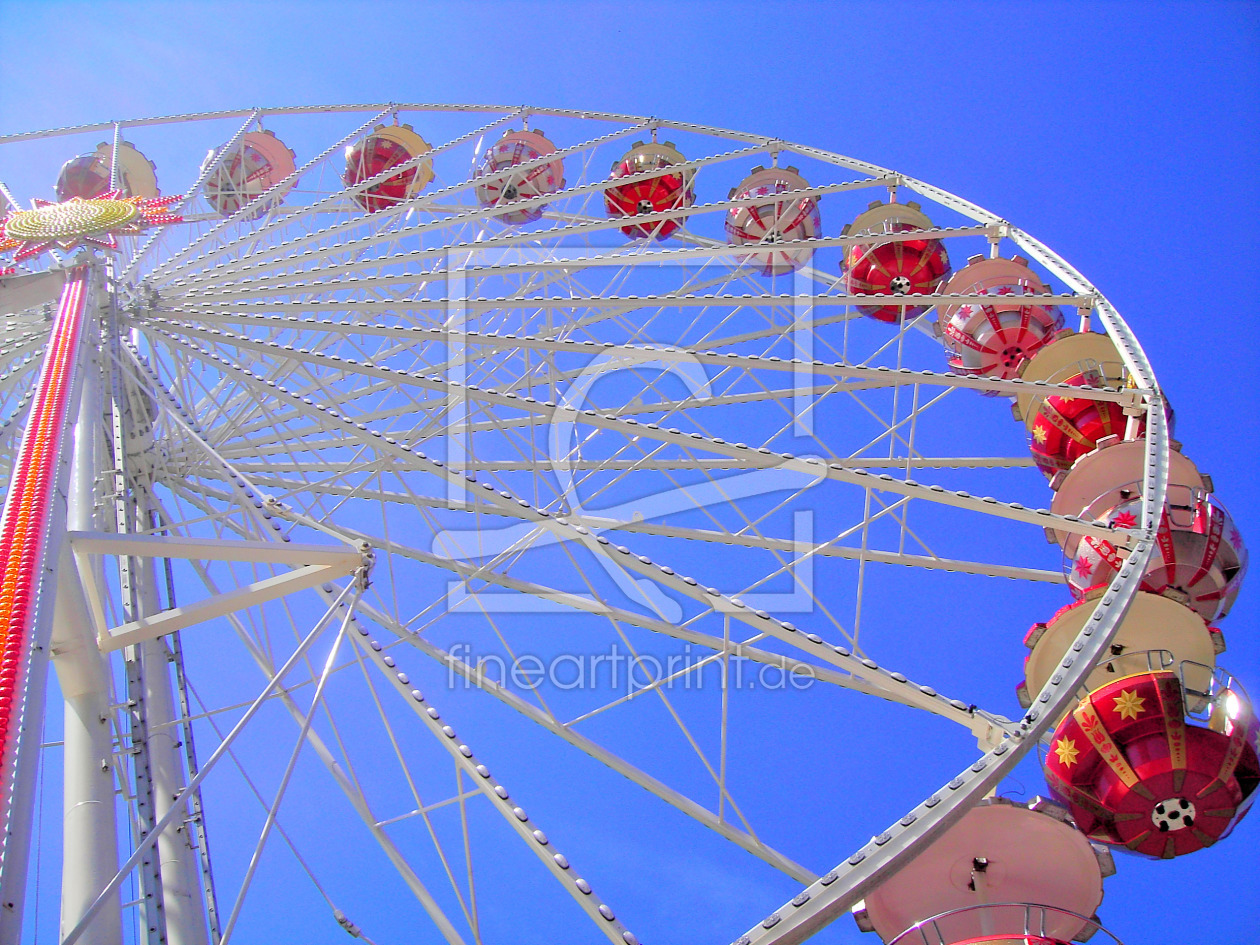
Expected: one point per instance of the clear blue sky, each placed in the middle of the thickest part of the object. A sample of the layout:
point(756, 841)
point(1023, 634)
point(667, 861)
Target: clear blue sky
point(1124, 135)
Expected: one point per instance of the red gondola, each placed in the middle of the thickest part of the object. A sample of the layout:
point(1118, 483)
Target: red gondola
point(259, 162)
point(1200, 559)
point(994, 339)
point(387, 146)
point(1137, 772)
point(763, 217)
point(668, 191)
point(902, 266)
point(497, 184)
point(88, 175)
point(1065, 428)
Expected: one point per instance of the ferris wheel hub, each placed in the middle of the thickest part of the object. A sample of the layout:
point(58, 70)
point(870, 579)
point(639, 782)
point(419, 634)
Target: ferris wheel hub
point(96, 221)
point(74, 218)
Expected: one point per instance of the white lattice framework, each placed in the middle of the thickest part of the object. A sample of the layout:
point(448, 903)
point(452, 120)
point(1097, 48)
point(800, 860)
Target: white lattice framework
point(337, 454)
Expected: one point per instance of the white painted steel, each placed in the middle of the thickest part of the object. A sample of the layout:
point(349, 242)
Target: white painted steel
point(182, 896)
point(165, 820)
point(90, 829)
point(302, 367)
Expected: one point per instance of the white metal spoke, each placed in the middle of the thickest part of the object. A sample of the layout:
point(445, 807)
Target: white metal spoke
point(527, 426)
point(274, 809)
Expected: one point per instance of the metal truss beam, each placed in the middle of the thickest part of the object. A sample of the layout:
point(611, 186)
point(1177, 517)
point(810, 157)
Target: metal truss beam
point(319, 564)
point(881, 376)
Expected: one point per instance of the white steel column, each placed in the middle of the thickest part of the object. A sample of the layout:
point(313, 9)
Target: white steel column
point(183, 898)
point(181, 885)
point(90, 839)
point(182, 895)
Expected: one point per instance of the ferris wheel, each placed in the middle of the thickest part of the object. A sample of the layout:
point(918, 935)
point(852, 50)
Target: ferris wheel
point(470, 524)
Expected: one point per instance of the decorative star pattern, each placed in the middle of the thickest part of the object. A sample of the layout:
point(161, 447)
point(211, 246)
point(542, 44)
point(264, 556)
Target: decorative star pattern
point(1129, 704)
point(1067, 751)
point(1084, 567)
point(1125, 519)
point(1039, 434)
point(79, 222)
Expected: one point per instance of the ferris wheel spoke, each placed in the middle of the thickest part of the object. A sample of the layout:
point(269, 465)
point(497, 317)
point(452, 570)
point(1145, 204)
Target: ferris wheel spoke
point(473, 214)
point(758, 849)
point(577, 259)
point(672, 355)
point(810, 468)
point(266, 475)
point(363, 631)
point(137, 257)
point(497, 795)
point(213, 402)
point(725, 797)
point(672, 797)
point(629, 465)
point(248, 408)
point(892, 428)
point(229, 448)
point(544, 262)
point(658, 688)
point(886, 684)
point(884, 482)
point(896, 339)
point(171, 263)
point(273, 810)
point(350, 785)
point(625, 522)
point(827, 549)
point(355, 796)
point(178, 806)
point(243, 771)
point(331, 202)
point(467, 904)
point(234, 297)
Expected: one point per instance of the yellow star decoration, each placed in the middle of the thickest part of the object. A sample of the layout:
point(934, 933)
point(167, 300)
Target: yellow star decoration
point(1067, 751)
point(1039, 434)
point(1129, 704)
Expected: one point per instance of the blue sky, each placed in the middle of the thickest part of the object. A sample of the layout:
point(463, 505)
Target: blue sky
point(1123, 135)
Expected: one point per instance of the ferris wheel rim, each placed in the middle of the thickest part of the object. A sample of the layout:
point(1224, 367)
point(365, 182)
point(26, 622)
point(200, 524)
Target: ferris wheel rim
point(1144, 375)
point(1108, 608)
